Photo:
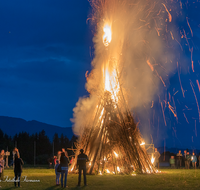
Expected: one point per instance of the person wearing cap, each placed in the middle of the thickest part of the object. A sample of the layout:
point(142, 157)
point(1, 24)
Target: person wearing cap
point(81, 162)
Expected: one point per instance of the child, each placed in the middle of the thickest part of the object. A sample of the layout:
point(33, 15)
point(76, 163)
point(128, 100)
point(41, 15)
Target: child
point(57, 173)
point(172, 162)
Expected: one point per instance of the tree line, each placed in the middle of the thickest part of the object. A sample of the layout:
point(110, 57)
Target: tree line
point(36, 146)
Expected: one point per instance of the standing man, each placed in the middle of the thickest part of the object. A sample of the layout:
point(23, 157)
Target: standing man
point(18, 162)
point(179, 159)
point(188, 157)
point(199, 160)
point(157, 156)
point(184, 158)
point(81, 162)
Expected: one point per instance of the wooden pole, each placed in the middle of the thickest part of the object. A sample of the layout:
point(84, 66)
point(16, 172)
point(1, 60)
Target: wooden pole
point(34, 151)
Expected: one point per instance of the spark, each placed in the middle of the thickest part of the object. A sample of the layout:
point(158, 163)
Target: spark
point(172, 35)
point(185, 117)
point(198, 85)
point(189, 26)
point(191, 84)
point(169, 15)
point(160, 78)
point(150, 65)
point(195, 128)
point(183, 92)
point(163, 113)
point(152, 104)
point(172, 109)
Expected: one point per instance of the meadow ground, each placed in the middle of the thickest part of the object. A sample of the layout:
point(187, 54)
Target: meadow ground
point(168, 179)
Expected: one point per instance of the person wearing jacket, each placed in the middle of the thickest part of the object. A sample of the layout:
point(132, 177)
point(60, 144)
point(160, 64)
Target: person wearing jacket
point(81, 162)
point(18, 162)
point(194, 160)
point(64, 167)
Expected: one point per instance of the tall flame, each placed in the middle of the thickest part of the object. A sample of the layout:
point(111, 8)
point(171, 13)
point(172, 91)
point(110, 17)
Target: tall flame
point(107, 37)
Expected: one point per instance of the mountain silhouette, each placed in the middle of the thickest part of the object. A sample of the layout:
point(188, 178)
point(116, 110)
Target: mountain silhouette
point(12, 126)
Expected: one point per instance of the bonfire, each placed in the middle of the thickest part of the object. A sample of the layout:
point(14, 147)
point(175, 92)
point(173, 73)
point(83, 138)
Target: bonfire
point(107, 131)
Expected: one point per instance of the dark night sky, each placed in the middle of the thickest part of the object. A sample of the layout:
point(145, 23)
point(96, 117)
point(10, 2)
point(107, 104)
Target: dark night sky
point(45, 49)
point(44, 54)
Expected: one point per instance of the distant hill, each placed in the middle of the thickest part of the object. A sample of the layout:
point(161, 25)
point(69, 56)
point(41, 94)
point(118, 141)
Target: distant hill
point(12, 126)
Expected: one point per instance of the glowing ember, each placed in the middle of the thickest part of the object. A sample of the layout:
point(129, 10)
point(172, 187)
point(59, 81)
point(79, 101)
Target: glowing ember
point(107, 37)
point(143, 143)
point(115, 154)
point(107, 171)
point(152, 159)
point(118, 169)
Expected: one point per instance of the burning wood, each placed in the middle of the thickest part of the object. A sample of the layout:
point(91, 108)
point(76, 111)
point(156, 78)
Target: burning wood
point(110, 135)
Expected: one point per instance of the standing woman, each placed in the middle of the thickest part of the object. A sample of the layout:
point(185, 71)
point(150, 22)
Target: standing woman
point(2, 162)
point(18, 162)
point(14, 152)
point(64, 167)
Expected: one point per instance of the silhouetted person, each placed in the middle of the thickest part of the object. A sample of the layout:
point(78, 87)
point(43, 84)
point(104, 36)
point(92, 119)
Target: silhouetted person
point(157, 156)
point(64, 167)
point(188, 157)
point(185, 159)
point(50, 161)
point(179, 159)
point(18, 162)
point(81, 162)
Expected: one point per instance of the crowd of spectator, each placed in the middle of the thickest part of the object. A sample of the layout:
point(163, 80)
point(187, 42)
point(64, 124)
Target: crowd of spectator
point(185, 160)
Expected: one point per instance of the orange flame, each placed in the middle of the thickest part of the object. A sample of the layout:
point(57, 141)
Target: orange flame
point(107, 37)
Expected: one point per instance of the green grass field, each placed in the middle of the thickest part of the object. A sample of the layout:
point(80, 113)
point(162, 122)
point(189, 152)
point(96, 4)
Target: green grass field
point(168, 179)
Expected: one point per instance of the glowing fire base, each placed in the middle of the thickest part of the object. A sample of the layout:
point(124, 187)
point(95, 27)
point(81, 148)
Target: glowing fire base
point(113, 142)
